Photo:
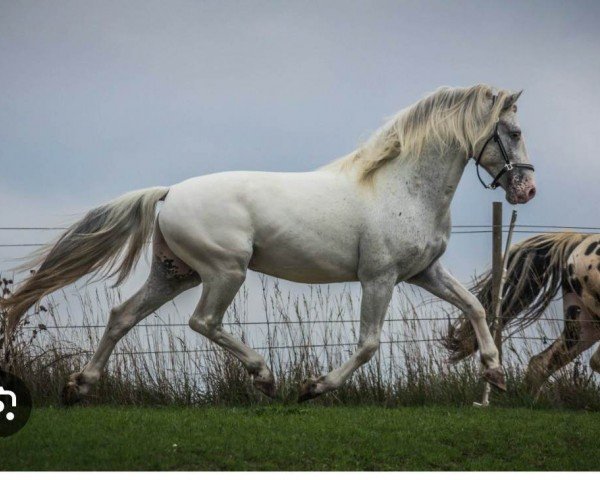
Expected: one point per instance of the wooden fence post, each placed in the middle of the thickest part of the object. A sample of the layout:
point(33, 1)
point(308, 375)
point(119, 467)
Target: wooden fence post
point(499, 266)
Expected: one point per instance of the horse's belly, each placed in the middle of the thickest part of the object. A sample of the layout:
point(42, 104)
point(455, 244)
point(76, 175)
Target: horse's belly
point(301, 266)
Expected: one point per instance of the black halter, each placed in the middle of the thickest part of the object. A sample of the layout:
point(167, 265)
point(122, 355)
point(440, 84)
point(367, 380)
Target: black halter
point(508, 165)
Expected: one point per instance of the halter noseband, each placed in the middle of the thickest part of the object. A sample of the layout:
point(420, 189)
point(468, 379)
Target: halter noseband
point(508, 165)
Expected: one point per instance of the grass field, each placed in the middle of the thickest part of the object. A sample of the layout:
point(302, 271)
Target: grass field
point(304, 438)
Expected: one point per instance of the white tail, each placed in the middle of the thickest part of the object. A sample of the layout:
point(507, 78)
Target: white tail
point(93, 244)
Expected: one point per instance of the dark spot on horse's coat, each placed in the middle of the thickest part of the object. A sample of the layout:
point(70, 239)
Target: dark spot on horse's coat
point(571, 268)
point(597, 296)
point(173, 271)
point(591, 248)
point(576, 284)
point(585, 279)
point(571, 333)
point(572, 312)
point(590, 266)
point(598, 251)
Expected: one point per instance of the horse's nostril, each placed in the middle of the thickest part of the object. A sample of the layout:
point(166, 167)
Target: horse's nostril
point(531, 193)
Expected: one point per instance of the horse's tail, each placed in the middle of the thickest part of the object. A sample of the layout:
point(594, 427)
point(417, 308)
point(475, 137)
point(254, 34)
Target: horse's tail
point(533, 278)
point(92, 244)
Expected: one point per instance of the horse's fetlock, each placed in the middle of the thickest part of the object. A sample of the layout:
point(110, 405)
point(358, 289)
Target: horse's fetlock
point(88, 378)
point(367, 350)
point(490, 358)
point(256, 367)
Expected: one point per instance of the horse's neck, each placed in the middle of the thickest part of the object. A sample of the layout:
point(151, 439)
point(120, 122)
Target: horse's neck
point(431, 180)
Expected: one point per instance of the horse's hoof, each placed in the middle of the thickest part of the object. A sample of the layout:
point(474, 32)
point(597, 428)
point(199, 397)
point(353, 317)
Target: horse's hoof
point(495, 377)
point(70, 394)
point(308, 390)
point(265, 386)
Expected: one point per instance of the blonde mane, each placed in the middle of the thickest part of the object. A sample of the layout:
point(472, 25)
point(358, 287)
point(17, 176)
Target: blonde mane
point(458, 116)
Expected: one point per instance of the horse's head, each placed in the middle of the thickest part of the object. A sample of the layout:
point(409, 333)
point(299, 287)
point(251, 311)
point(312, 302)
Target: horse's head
point(504, 156)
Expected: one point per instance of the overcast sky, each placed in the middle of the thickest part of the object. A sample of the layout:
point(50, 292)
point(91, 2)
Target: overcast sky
point(98, 98)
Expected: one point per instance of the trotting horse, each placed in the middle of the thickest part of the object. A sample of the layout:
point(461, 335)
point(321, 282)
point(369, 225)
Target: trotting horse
point(380, 216)
point(539, 267)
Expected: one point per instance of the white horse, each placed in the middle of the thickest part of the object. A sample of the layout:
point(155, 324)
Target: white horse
point(380, 216)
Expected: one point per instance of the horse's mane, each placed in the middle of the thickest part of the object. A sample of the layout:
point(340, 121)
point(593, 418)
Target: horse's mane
point(447, 116)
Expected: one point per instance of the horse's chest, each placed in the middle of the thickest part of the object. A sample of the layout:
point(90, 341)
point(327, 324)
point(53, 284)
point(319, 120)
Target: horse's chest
point(408, 252)
point(416, 256)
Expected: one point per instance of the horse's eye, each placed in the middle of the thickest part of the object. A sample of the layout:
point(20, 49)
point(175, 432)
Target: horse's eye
point(516, 135)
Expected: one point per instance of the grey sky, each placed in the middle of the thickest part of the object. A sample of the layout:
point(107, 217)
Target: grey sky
point(99, 98)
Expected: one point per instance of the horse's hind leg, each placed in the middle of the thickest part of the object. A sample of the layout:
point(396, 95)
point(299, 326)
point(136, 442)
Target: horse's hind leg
point(218, 291)
point(168, 277)
point(578, 335)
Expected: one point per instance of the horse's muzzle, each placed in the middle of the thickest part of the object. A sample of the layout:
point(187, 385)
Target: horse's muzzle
point(521, 194)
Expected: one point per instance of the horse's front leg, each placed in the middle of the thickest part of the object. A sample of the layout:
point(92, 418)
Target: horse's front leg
point(438, 281)
point(376, 295)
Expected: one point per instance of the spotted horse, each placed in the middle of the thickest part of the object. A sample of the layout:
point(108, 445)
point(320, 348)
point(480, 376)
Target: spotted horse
point(538, 269)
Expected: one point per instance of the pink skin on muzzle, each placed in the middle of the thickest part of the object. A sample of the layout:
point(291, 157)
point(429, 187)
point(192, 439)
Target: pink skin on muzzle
point(521, 188)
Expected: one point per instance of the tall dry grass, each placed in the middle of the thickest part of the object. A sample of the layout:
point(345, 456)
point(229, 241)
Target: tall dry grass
point(161, 363)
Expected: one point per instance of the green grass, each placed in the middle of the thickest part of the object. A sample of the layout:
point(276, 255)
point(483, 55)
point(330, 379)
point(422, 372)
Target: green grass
point(304, 438)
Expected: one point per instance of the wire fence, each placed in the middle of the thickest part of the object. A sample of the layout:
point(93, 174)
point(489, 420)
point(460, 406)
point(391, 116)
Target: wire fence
point(517, 334)
point(456, 230)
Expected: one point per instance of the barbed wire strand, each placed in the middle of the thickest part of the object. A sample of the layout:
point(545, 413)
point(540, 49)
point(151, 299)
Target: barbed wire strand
point(518, 225)
point(463, 232)
point(476, 229)
point(307, 345)
point(42, 326)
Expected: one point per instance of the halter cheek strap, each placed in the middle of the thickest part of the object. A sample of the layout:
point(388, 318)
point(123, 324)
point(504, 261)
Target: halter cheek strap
point(508, 165)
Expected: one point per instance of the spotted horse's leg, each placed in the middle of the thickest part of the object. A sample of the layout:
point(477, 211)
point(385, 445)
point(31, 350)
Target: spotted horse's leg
point(169, 277)
point(578, 335)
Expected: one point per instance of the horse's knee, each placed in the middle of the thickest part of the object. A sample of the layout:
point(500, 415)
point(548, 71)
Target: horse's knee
point(475, 313)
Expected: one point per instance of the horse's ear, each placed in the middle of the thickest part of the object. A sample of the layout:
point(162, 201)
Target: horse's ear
point(511, 99)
